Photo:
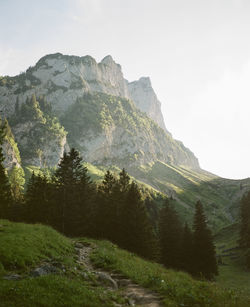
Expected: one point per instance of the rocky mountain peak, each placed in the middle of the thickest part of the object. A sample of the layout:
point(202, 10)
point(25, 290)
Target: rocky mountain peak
point(108, 60)
point(68, 82)
point(142, 93)
point(145, 81)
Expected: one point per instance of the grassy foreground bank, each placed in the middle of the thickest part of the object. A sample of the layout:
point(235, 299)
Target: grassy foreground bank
point(24, 247)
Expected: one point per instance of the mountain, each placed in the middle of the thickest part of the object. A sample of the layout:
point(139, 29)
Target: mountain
point(70, 101)
point(107, 117)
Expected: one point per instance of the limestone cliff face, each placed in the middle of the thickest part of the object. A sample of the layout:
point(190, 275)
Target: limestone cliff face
point(63, 80)
point(142, 93)
point(116, 146)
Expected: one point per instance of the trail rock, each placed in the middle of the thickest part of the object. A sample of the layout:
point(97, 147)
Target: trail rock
point(106, 278)
point(44, 270)
point(12, 277)
point(79, 245)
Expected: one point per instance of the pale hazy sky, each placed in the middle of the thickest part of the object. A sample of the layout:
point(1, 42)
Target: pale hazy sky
point(196, 52)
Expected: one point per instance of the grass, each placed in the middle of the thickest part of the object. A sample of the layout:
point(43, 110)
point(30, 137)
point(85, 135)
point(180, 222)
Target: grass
point(219, 196)
point(233, 273)
point(53, 290)
point(24, 247)
point(176, 288)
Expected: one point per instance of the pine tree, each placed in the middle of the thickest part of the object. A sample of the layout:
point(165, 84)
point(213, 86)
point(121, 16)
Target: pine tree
point(73, 194)
point(186, 250)
point(170, 232)
point(136, 231)
point(124, 181)
point(5, 190)
point(106, 208)
point(204, 257)
point(38, 207)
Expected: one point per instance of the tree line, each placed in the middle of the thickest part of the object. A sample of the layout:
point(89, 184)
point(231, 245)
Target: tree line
point(113, 210)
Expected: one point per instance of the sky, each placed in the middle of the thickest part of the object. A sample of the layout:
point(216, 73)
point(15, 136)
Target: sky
point(196, 53)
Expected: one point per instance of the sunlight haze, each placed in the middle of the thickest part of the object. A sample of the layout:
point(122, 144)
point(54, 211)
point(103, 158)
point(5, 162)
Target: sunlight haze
point(196, 53)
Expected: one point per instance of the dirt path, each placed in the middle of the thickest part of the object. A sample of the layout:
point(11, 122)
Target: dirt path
point(134, 294)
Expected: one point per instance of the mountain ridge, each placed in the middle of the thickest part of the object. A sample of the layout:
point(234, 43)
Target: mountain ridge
point(64, 79)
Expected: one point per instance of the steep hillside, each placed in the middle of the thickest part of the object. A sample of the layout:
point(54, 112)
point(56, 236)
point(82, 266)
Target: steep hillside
point(220, 196)
point(40, 267)
point(184, 187)
point(111, 130)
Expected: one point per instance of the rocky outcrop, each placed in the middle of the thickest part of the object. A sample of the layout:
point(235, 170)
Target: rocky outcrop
point(39, 146)
point(11, 156)
point(145, 99)
point(10, 148)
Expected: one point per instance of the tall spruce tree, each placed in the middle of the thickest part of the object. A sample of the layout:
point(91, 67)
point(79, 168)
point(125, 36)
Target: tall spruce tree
point(5, 189)
point(106, 214)
point(186, 250)
point(73, 194)
point(170, 231)
point(117, 203)
point(38, 206)
point(204, 256)
point(136, 231)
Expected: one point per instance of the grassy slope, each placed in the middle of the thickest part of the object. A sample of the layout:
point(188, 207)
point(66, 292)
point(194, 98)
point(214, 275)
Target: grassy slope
point(233, 272)
point(26, 246)
point(176, 288)
point(23, 247)
point(219, 196)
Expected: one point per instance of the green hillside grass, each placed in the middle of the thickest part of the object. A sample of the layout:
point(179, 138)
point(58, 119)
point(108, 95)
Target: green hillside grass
point(233, 272)
point(23, 247)
point(219, 196)
point(176, 288)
